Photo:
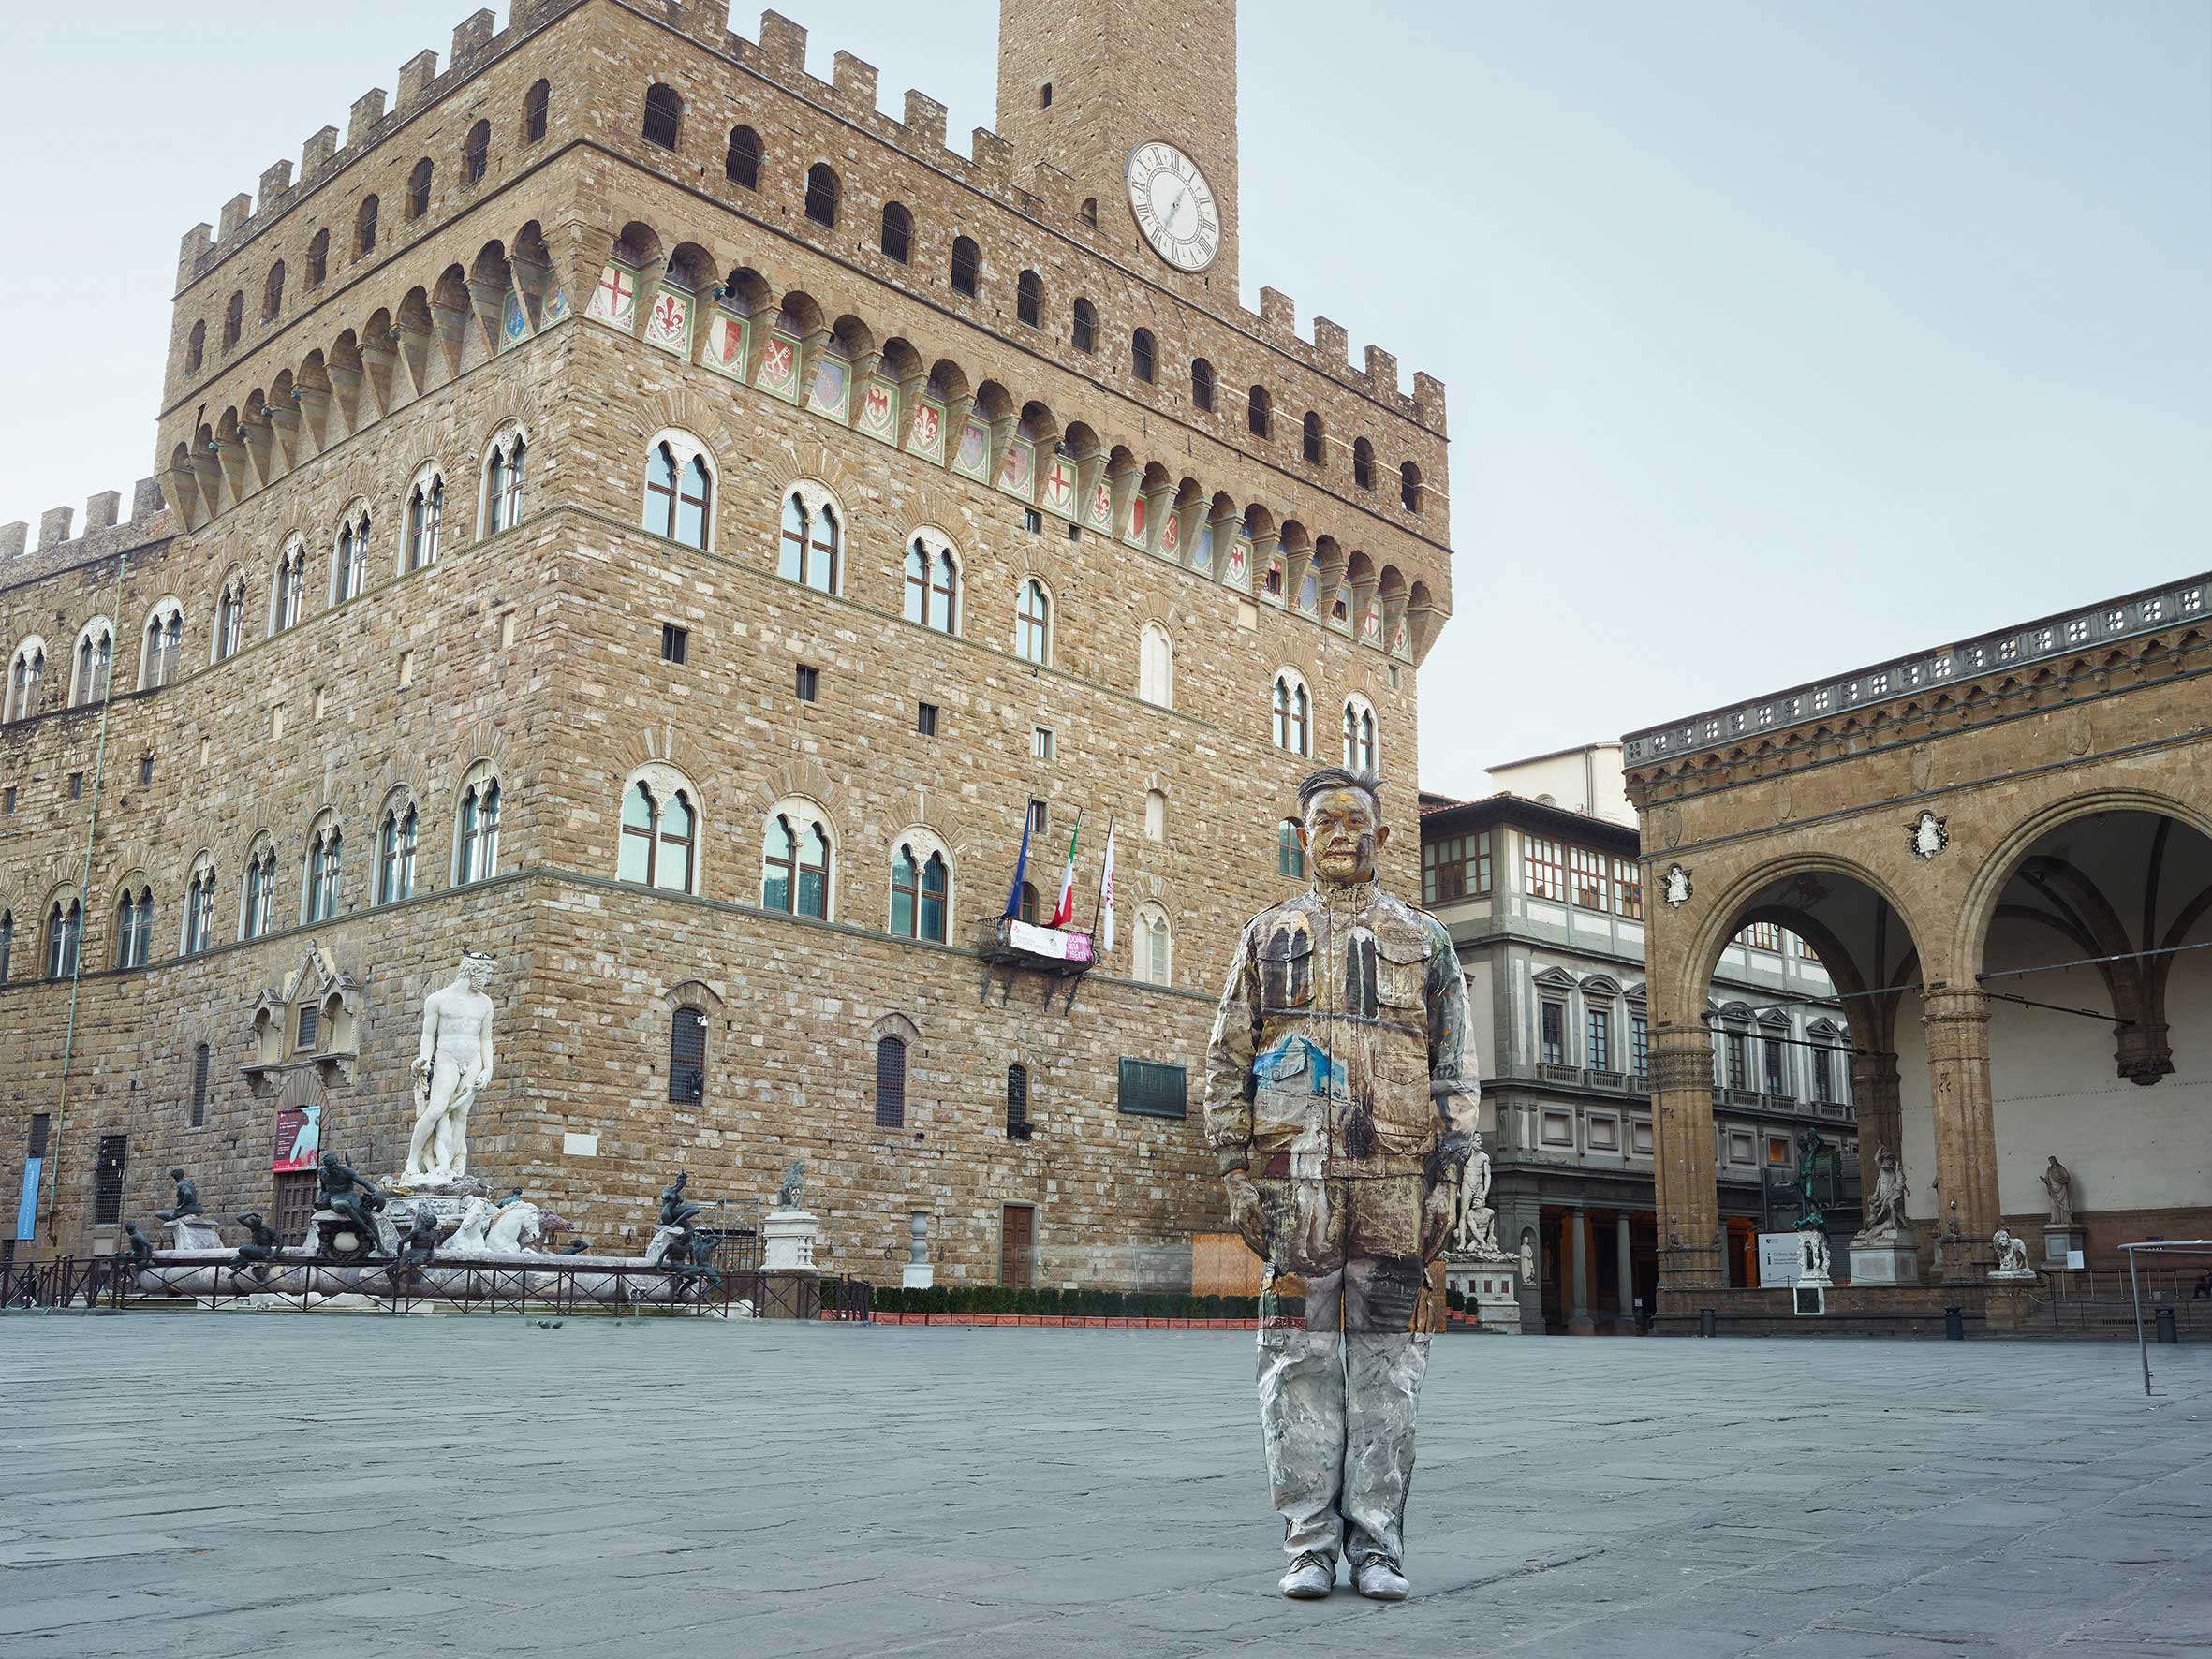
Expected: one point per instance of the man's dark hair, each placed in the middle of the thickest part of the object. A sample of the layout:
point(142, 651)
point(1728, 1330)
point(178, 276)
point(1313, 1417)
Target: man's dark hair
point(1336, 777)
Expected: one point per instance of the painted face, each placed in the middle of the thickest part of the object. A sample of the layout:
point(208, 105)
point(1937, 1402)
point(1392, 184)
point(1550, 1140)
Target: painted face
point(1343, 836)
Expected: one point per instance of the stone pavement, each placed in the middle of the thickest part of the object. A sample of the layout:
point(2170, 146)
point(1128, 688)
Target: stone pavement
point(204, 1485)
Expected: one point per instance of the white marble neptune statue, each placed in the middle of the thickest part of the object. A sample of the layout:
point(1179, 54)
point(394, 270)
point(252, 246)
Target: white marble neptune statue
point(453, 1063)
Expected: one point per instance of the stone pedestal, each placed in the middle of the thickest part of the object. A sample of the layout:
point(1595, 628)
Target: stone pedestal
point(2059, 1245)
point(194, 1232)
point(1885, 1261)
point(447, 1200)
point(788, 1239)
point(918, 1275)
point(1493, 1293)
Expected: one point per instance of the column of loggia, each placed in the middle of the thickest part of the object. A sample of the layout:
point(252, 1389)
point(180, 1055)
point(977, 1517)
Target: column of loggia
point(1875, 1106)
point(1690, 1254)
point(1957, 1026)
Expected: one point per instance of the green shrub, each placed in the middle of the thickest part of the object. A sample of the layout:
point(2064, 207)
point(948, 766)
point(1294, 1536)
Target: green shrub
point(888, 1300)
point(1048, 1300)
point(1455, 1300)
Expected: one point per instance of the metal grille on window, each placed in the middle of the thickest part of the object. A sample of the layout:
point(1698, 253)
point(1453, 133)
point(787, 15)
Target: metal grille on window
point(106, 1179)
point(688, 1057)
point(1017, 1103)
point(891, 1083)
point(199, 1063)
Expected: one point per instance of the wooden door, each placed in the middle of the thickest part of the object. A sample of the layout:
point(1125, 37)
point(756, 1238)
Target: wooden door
point(1016, 1233)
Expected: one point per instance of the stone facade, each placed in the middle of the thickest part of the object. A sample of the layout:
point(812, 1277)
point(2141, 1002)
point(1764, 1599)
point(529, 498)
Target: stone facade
point(532, 649)
point(2002, 850)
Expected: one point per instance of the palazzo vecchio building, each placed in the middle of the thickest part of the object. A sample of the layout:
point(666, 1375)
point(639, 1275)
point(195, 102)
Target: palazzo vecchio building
point(632, 507)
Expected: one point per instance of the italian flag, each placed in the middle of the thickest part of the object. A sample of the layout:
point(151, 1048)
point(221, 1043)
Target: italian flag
point(1064, 911)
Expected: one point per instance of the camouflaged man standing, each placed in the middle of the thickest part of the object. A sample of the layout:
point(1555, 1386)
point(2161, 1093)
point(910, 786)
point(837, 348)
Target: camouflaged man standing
point(1341, 1100)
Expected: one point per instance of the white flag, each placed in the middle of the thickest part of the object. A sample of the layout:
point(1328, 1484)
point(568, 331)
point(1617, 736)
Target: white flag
point(1106, 897)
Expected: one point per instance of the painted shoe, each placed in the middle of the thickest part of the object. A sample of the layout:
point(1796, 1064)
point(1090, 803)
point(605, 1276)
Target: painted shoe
point(1311, 1577)
point(1377, 1578)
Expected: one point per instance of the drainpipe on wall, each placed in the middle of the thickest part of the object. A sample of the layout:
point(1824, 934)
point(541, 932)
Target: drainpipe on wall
point(92, 819)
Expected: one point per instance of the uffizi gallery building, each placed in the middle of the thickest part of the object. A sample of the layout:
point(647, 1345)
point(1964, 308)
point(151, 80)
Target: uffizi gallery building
point(630, 507)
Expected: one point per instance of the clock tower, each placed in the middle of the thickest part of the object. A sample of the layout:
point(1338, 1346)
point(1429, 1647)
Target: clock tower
point(1135, 100)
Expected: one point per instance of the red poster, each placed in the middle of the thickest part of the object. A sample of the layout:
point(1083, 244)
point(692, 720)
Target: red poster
point(299, 1137)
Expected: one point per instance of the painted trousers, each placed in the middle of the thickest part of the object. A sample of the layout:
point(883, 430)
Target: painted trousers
point(1340, 1378)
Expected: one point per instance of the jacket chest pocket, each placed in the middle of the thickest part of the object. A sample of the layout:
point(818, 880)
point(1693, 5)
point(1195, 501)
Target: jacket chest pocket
point(1401, 994)
point(1286, 970)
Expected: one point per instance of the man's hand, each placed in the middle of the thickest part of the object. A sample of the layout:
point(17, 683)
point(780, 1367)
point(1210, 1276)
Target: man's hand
point(1245, 1211)
point(1439, 1217)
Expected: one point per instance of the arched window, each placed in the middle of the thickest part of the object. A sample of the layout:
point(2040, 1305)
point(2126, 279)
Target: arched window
point(289, 597)
point(134, 922)
point(1017, 1102)
point(891, 1083)
point(1359, 736)
point(679, 494)
point(503, 481)
point(395, 853)
point(325, 845)
point(1144, 356)
point(688, 1057)
point(1310, 438)
point(664, 115)
point(795, 866)
point(1155, 666)
point(821, 195)
point(1293, 710)
point(476, 153)
point(1362, 463)
point(809, 547)
point(1029, 298)
point(318, 258)
point(897, 239)
point(256, 900)
point(199, 909)
point(273, 291)
point(1088, 212)
point(1156, 816)
point(921, 892)
point(1201, 382)
point(1033, 623)
point(165, 638)
point(196, 348)
point(233, 320)
point(1290, 852)
point(418, 189)
point(64, 932)
point(933, 586)
point(537, 106)
point(1259, 412)
point(27, 678)
point(230, 617)
point(364, 228)
point(96, 659)
point(1152, 952)
point(349, 565)
point(659, 837)
point(1026, 909)
point(741, 162)
point(1409, 487)
point(1083, 330)
point(476, 841)
point(426, 517)
point(968, 266)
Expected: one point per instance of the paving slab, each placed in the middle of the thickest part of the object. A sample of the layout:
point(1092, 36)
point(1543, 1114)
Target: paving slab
point(758, 1489)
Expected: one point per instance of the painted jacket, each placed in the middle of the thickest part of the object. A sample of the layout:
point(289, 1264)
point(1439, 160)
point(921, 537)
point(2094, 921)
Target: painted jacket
point(1341, 1047)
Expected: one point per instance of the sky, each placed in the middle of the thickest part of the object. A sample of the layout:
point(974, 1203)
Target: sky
point(1779, 339)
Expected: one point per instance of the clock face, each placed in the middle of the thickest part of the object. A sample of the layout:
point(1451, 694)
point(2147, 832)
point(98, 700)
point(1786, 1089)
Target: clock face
point(1174, 205)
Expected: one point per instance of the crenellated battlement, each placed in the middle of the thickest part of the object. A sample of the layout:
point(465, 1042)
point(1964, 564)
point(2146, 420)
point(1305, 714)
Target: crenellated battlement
point(992, 166)
point(104, 529)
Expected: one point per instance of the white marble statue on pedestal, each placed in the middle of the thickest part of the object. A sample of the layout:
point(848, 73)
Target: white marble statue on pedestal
point(1474, 1231)
point(1812, 1256)
point(452, 1064)
point(1885, 1205)
point(2012, 1258)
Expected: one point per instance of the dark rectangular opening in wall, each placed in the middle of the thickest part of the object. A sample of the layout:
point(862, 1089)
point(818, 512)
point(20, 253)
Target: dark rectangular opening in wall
point(1032, 521)
point(809, 683)
point(675, 643)
point(925, 720)
point(1153, 1089)
point(1044, 95)
point(75, 785)
point(106, 1179)
point(145, 769)
point(7, 798)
